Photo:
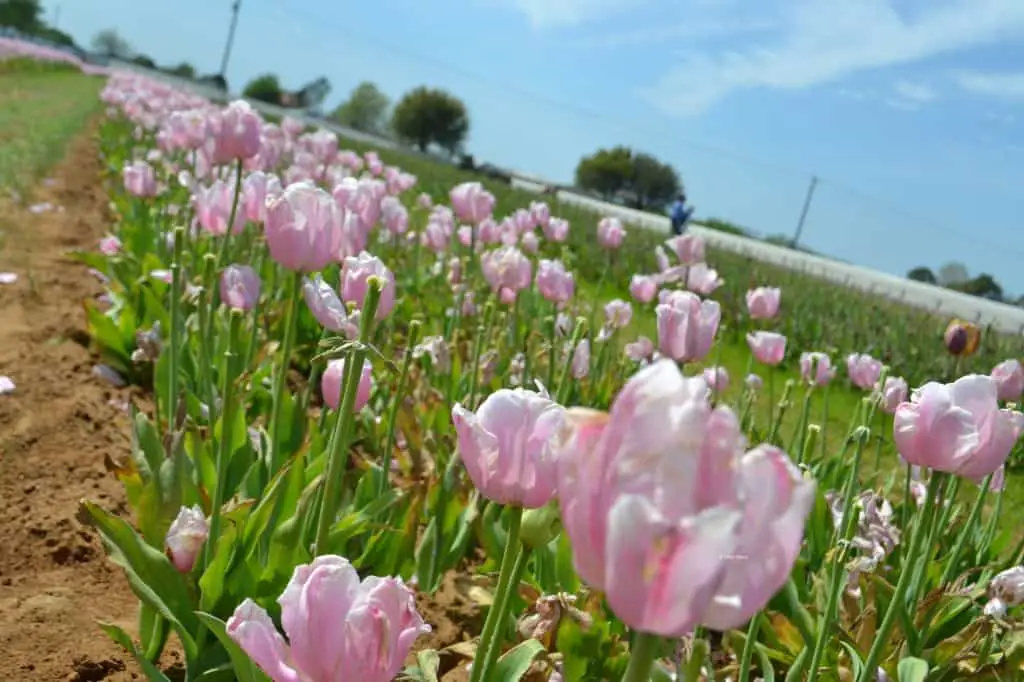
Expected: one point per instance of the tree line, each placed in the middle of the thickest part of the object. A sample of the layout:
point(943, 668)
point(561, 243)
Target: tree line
point(955, 276)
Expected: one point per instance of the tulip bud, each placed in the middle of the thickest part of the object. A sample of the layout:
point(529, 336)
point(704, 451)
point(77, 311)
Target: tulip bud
point(186, 537)
point(540, 526)
point(240, 287)
point(333, 381)
point(962, 338)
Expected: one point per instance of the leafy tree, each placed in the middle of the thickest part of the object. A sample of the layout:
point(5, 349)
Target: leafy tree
point(366, 109)
point(654, 183)
point(984, 285)
point(426, 116)
point(922, 274)
point(21, 15)
point(265, 88)
point(183, 70)
point(109, 43)
point(606, 171)
point(144, 61)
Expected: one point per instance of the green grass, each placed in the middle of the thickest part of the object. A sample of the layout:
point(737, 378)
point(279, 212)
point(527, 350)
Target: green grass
point(41, 109)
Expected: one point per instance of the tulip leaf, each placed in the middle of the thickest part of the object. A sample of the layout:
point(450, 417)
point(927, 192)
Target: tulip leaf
point(150, 574)
point(912, 669)
point(767, 669)
point(429, 663)
point(212, 582)
point(515, 662)
point(153, 631)
point(122, 639)
point(855, 660)
point(245, 669)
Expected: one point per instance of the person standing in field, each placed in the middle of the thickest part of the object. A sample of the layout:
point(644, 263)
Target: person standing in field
point(680, 214)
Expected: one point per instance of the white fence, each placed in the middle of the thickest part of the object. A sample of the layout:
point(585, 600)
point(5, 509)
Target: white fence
point(1004, 317)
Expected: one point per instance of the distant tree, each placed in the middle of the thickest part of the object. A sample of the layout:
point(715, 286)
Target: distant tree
point(655, 184)
point(265, 88)
point(984, 285)
point(426, 116)
point(922, 274)
point(606, 171)
point(366, 109)
point(21, 15)
point(953, 274)
point(109, 43)
point(183, 70)
point(144, 61)
point(312, 95)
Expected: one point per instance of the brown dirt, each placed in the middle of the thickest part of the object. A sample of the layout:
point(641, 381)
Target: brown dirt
point(55, 581)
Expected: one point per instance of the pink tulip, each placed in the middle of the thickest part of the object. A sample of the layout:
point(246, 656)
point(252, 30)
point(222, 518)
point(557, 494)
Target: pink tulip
point(394, 215)
point(893, 394)
point(581, 360)
point(333, 381)
point(816, 368)
point(355, 275)
point(864, 370)
point(435, 237)
point(686, 326)
point(327, 307)
point(541, 213)
point(754, 382)
point(292, 126)
point(240, 287)
point(508, 446)
point(689, 248)
point(1009, 376)
point(556, 230)
point(139, 179)
point(768, 348)
point(529, 242)
point(256, 189)
point(213, 208)
point(472, 203)
point(661, 503)
point(303, 228)
point(618, 314)
point(507, 271)
point(338, 627)
point(640, 350)
point(553, 281)
point(424, 201)
point(237, 131)
point(643, 288)
point(702, 279)
point(186, 537)
point(610, 233)
point(110, 246)
point(662, 259)
point(763, 302)
point(957, 428)
point(717, 378)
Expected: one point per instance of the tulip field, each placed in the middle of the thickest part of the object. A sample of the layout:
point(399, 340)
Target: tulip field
point(360, 381)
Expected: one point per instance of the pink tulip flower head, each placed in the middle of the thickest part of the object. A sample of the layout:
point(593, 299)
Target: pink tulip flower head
point(256, 189)
point(292, 127)
point(1005, 590)
point(610, 233)
point(754, 382)
point(717, 378)
point(355, 275)
point(702, 279)
point(554, 282)
point(541, 213)
point(507, 271)
point(768, 348)
point(424, 201)
point(957, 428)
point(328, 308)
point(864, 370)
point(110, 245)
point(213, 208)
point(240, 287)
point(689, 248)
point(556, 230)
point(303, 228)
point(139, 179)
point(686, 326)
point(530, 242)
point(1009, 376)
point(643, 288)
point(816, 368)
point(893, 394)
point(662, 259)
point(472, 203)
point(238, 131)
point(763, 302)
point(338, 627)
point(641, 350)
point(333, 381)
point(508, 446)
point(618, 314)
point(186, 537)
point(581, 360)
point(394, 215)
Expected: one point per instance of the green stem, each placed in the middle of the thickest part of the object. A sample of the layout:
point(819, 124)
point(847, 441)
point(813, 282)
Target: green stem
point(870, 667)
point(172, 379)
point(491, 655)
point(564, 384)
point(225, 245)
point(338, 457)
point(967, 529)
point(748, 647)
point(494, 614)
point(641, 657)
point(280, 380)
point(696, 662)
point(802, 426)
point(396, 402)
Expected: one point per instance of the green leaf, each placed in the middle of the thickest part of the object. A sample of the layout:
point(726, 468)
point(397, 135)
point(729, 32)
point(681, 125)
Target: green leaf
point(855, 660)
point(767, 669)
point(107, 336)
point(429, 662)
point(245, 669)
point(153, 631)
point(212, 582)
point(515, 662)
point(122, 639)
point(912, 669)
point(152, 577)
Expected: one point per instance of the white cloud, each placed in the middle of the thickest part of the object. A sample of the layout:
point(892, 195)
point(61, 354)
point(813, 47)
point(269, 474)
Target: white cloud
point(909, 96)
point(691, 30)
point(825, 40)
point(555, 13)
point(1005, 85)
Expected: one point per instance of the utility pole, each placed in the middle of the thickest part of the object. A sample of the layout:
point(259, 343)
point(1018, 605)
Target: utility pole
point(231, 39)
point(803, 213)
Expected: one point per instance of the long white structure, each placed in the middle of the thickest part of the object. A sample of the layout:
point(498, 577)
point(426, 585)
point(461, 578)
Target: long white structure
point(942, 301)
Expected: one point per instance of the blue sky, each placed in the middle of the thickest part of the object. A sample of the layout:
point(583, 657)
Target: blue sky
point(911, 112)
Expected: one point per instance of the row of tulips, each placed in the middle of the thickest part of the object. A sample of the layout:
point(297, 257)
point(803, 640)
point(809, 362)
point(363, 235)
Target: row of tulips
point(355, 380)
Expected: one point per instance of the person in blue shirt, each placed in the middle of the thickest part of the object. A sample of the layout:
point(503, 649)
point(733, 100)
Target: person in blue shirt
point(680, 214)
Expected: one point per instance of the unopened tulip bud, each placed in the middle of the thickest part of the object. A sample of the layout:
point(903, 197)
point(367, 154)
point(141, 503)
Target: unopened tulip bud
point(962, 338)
point(186, 537)
point(541, 526)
